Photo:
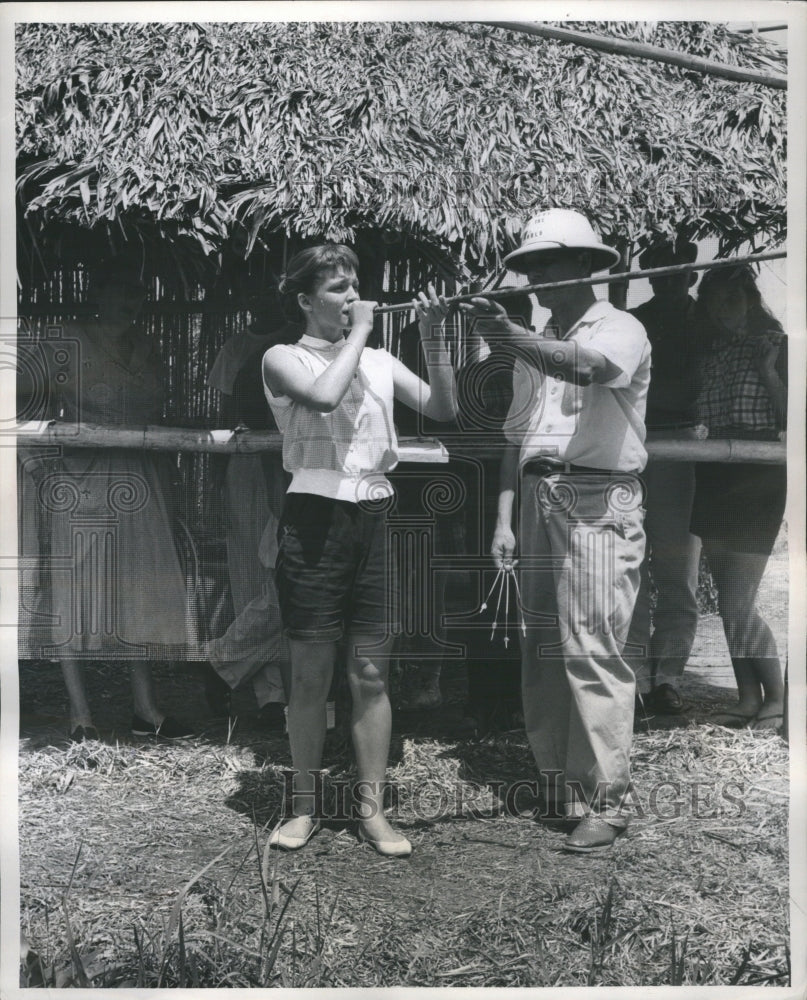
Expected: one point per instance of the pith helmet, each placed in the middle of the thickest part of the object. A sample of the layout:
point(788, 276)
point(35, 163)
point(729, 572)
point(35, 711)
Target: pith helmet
point(558, 229)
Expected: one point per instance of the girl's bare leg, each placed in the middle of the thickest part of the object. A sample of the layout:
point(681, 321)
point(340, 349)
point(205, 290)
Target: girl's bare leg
point(312, 666)
point(371, 726)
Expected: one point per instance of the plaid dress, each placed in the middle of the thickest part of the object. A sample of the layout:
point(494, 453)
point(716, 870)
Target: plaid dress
point(734, 401)
point(741, 505)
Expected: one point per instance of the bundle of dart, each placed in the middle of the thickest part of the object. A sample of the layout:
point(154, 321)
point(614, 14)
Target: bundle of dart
point(503, 578)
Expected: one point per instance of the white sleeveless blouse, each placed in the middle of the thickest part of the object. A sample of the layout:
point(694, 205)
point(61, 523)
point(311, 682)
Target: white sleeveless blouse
point(343, 454)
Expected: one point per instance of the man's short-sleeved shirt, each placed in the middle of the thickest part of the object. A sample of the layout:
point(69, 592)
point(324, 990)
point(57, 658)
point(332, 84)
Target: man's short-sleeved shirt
point(599, 425)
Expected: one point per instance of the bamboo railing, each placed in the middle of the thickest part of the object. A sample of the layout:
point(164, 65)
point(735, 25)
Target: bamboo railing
point(235, 442)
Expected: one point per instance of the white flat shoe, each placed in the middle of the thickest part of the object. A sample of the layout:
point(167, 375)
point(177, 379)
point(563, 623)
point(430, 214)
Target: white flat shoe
point(388, 848)
point(288, 843)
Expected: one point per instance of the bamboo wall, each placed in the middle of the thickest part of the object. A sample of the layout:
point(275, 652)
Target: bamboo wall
point(190, 332)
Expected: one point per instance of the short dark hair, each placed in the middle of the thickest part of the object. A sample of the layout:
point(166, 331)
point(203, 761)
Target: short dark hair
point(668, 253)
point(307, 268)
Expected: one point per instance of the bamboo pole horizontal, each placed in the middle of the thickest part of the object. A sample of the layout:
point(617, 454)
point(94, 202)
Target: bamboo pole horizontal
point(654, 53)
point(598, 279)
point(153, 438)
point(757, 29)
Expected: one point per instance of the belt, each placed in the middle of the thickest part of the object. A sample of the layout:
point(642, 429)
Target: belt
point(543, 467)
point(686, 426)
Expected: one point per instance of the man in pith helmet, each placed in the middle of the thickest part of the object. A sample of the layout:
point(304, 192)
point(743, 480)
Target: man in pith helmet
point(575, 446)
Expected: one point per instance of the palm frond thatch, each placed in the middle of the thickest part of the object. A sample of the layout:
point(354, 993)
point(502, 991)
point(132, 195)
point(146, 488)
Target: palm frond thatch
point(222, 134)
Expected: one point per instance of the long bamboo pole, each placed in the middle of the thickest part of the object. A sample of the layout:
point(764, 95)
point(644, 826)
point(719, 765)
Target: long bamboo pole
point(153, 438)
point(600, 279)
point(626, 47)
point(758, 29)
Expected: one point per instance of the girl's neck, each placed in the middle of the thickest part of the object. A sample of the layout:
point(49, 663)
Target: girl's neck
point(329, 335)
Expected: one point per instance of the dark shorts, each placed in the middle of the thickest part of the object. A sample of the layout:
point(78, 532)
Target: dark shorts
point(334, 573)
point(740, 505)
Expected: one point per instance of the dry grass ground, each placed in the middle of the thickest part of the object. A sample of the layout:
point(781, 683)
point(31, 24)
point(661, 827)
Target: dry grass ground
point(116, 842)
point(145, 865)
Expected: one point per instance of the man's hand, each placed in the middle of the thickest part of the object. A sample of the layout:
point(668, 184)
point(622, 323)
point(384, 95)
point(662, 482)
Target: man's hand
point(503, 546)
point(490, 316)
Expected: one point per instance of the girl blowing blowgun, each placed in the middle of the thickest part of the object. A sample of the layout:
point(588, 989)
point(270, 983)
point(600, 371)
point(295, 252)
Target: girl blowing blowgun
point(332, 399)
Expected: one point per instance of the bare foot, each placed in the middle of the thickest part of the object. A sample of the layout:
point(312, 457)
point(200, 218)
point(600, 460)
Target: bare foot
point(739, 715)
point(769, 718)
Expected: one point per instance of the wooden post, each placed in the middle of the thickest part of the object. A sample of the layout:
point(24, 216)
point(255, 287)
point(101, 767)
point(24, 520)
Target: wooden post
point(618, 291)
point(372, 253)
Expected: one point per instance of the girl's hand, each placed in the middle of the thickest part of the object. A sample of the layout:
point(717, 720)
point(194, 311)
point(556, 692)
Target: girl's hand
point(431, 312)
point(361, 313)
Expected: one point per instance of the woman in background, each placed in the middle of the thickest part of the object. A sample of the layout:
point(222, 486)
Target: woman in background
point(738, 508)
point(332, 399)
point(112, 586)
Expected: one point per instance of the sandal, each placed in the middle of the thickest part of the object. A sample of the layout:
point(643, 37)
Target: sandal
point(280, 838)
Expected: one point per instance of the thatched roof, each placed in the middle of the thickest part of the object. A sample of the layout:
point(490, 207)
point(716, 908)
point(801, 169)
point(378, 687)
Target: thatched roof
point(223, 134)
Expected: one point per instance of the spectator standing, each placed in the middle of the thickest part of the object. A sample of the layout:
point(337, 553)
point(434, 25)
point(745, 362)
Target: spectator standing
point(112, 585)
point(673, 552)
point(738, 507)
point(484, 395)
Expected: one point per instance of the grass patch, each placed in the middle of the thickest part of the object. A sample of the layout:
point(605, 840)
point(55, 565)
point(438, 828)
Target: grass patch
point(147, 867)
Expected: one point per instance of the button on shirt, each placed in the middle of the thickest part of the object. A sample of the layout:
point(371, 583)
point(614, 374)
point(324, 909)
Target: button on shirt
point(345, 453)
point(599, 425)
